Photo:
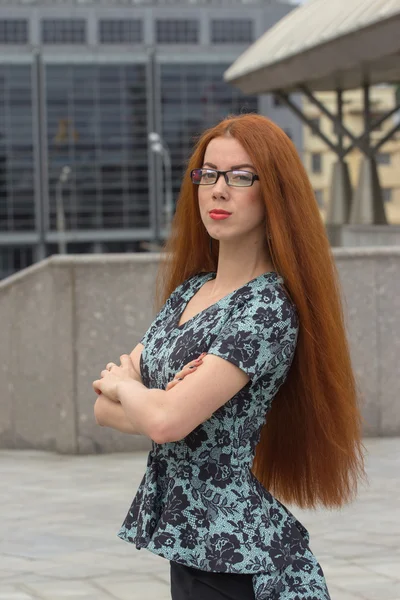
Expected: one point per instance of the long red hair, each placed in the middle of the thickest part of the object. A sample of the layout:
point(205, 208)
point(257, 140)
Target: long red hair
point(310, 449)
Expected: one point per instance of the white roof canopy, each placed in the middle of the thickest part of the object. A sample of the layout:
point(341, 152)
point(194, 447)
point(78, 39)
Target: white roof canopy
point(325, 45)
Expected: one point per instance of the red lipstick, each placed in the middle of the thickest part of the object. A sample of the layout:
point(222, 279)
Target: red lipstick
point(218, 217)
point(219, 214)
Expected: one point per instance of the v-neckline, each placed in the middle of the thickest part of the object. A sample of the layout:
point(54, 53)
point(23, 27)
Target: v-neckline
point(202, 281)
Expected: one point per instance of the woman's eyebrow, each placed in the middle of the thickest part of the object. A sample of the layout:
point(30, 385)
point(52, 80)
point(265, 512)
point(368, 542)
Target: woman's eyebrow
point(232, 167)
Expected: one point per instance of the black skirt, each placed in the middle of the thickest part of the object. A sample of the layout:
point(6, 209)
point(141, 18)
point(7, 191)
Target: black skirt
point(188, 583)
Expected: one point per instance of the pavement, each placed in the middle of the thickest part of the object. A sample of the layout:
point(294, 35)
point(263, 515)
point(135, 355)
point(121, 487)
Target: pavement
point(60, 515)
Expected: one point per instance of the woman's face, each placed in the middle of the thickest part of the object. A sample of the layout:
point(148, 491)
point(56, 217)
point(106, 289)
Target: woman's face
point(244, 203)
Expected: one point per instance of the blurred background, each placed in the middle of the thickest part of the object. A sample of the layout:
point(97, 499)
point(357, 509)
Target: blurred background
point(100, 104)
point(84, 83)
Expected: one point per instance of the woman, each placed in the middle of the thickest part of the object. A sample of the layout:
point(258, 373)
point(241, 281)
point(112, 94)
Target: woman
point(272, 407)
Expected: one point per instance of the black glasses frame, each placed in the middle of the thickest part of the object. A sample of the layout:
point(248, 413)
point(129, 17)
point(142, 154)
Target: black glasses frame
point(224, 173)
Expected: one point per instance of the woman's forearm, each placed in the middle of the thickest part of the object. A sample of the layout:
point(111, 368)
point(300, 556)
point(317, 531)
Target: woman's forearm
point(144, 407)
point(111, 414)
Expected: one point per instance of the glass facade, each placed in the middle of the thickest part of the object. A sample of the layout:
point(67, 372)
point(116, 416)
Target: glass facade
point(120, 31)
point(231, 31)
point(316, 162)
point(97, 125)
point(16, 149)
point(63, 31)
point(13, 31)
point(177, 31)
point(14, 258)
point(383, 158)
point(194, 97)
point(90, 104)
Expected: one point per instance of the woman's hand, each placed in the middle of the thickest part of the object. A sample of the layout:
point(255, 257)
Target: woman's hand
point(135, 376)
point(113, 375)
point(187, 369)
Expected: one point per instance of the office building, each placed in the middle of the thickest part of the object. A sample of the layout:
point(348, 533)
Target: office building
point(82, 84)
point(319, 158)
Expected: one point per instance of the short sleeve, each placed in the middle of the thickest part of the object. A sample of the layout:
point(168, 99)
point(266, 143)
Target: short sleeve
point(261, 335)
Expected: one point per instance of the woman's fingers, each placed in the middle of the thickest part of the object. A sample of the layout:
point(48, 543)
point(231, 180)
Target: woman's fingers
point(187, 369)
point(180, 376)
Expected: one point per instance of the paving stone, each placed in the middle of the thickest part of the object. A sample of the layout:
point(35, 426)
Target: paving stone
point(340, 594)
point(391, 570)
point(371, 561)
point(65, 571)
point(64, 590)
point(61, 515)
point(372, 586)
point(137, 590)
point(16, 596)
point(10, 592)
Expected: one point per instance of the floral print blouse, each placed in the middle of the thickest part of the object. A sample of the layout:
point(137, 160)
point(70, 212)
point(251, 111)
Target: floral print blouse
point(198, 502)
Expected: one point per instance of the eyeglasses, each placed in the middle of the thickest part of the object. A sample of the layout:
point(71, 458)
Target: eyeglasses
point(233, 178)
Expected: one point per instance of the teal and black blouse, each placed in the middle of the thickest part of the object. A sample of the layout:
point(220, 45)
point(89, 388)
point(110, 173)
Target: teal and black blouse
point(198, 502)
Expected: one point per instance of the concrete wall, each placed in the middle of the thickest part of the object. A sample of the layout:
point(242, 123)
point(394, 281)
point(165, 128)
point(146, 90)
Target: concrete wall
point(63, 319)
point(370, 235)
point(362, 236)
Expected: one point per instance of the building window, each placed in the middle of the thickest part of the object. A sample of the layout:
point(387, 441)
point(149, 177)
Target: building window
point(317, 123)
point(97, 124)
point(231, 31)
point(63, 31)
point(14, 258)
point(387, 194)
point(177, 31)
point(383, 158)
point(17, 210)
point(13, 31)
point(277, 101)
point(316, 162)
point(319, 196)
point(120, 31)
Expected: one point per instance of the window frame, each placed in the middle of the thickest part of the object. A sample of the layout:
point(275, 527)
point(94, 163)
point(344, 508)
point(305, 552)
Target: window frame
point(222, 37)
point(314, 156)
point(175, 27)
point(63, 27)
point(18, 26)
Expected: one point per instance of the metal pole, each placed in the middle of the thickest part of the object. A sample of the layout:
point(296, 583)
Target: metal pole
point(367, 115)
point(287, 100)
point(60, 219)
point(339, 100)
point(367, 207)
point(168, 190)
point(39, 142)
point(356, 141)
point(60, 215)
point(152, 175)
point(160, 147)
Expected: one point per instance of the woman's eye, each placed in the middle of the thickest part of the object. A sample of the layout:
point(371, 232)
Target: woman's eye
point(241, 177)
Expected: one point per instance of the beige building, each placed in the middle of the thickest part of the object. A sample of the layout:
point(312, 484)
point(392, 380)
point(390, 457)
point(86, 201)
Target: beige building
point(319, 158)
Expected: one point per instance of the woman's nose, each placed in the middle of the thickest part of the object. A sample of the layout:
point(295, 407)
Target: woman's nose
point(220, 186)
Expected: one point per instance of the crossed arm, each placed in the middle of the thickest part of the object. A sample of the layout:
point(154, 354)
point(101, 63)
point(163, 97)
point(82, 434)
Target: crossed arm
point(168, 416)
point(112, 414)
